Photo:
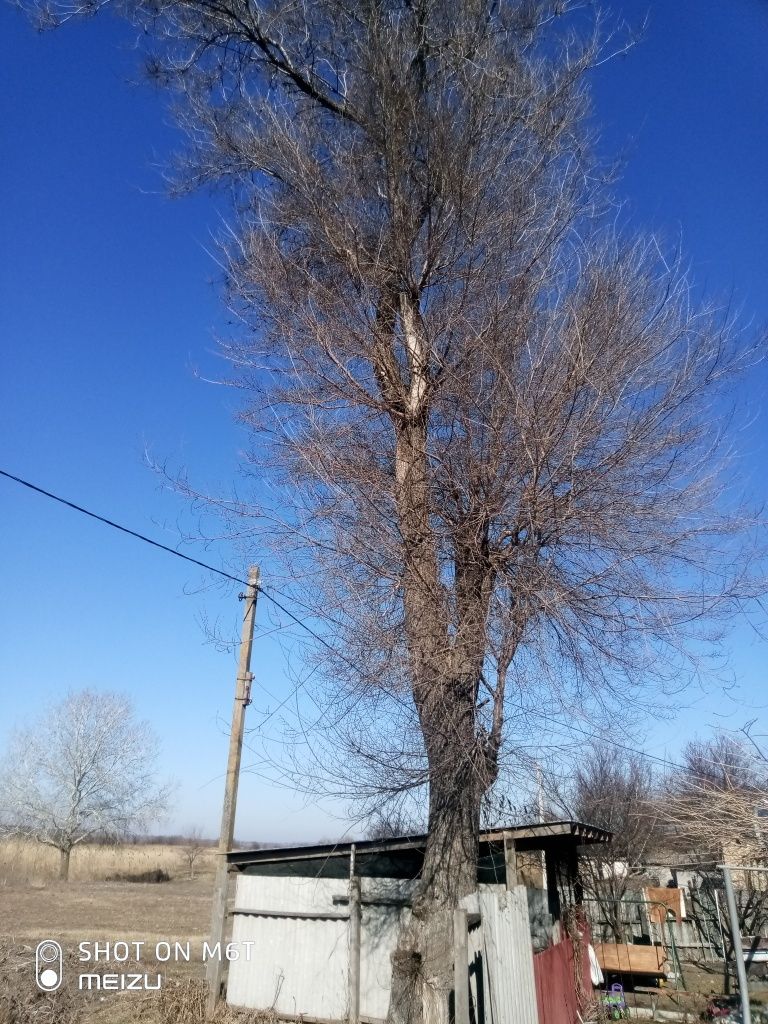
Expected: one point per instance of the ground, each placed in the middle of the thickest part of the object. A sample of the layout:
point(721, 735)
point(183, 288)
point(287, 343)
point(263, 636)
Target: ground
point(76, 911)
point(33, 908)
point(175, 911)
point(691, 995)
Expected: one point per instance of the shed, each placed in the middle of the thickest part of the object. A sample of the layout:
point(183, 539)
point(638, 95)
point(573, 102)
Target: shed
point(319, 923)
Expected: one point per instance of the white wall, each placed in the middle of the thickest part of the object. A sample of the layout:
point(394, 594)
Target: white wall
point(300, 964)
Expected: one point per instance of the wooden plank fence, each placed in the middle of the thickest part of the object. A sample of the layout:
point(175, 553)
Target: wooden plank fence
point(698, 936)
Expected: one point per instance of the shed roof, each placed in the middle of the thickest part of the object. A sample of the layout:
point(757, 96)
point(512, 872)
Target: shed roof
point(403, 856)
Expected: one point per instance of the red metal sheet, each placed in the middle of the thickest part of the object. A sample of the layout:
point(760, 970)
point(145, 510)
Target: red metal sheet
point(556, 986)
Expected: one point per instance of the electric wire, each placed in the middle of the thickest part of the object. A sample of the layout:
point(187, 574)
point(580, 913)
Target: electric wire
point(596, 737)
point(179, 554)
point(117, 526)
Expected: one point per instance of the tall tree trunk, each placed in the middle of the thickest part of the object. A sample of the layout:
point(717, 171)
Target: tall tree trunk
point(422, 965)
point(446, 649)
point(64, 855)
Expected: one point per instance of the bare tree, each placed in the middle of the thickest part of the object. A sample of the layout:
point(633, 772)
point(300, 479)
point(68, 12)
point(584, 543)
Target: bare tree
point(615, 789)
point(390, 824)
point(718, 802)
point(492, 428)
point(86, 768)
point(709, 900)
point(714, 809)
point(192, 848)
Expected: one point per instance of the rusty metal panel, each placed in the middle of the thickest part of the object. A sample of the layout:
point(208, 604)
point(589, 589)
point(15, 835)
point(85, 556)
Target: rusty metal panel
point(557, 982)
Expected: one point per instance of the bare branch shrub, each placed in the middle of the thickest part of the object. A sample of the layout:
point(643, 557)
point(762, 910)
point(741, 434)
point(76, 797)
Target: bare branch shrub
point(616, 790)
point(717, 805)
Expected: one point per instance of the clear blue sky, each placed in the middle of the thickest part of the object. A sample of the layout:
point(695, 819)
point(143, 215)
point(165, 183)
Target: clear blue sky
point(107, 308)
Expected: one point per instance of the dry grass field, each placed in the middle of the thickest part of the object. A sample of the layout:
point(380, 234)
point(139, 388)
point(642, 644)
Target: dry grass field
point(34, 905)
point(23, 862)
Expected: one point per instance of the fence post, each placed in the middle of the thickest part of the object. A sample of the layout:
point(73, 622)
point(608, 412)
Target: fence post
point(355, 927)
point(738, 953)
point(510, 861)
point(460, 967)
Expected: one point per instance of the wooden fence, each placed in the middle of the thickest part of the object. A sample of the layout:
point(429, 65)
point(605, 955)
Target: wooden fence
point(698, 936)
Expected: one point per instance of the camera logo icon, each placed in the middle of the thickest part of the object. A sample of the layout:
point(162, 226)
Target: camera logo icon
point(48, 965)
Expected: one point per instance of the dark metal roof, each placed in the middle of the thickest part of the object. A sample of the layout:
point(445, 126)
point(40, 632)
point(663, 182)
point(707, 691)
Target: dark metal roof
point(402, 856)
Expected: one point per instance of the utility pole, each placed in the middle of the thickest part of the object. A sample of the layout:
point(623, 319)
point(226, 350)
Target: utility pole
point(738, 954)
point(540, 805)
point(242, 700)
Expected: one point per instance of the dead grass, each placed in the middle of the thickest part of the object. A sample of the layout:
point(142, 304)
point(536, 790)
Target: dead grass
point(184, 1003)
point(180, 1001)
point(24, 862)
point(21, 1002)
point(103, 911)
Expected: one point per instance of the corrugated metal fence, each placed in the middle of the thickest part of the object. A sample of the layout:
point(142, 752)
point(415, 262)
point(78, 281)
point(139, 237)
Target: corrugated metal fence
point(298, 958)
point(502, 984)
point(296, 931)
point(556, 973)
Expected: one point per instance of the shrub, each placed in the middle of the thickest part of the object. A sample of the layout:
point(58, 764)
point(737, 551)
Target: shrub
point(156, 875)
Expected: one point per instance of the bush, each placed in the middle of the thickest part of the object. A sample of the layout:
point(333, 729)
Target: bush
point(156, 875)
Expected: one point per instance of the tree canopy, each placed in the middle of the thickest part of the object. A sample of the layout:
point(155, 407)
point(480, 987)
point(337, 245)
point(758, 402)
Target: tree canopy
point(86, 769)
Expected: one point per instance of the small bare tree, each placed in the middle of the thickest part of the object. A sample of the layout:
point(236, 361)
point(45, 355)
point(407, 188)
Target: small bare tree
point(615, 789)
point(86, 768)
point(708, 895)
point(493, 428)
point(192, 848)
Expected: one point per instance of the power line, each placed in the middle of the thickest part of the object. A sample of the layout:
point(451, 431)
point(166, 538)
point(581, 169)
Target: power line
point(299, 622)
point(600, 738)
point(171, 551)
point(117, 526)
point(179, 554)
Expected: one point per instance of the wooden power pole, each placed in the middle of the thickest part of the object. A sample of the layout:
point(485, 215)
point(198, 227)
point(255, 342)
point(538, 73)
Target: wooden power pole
point(242, 699)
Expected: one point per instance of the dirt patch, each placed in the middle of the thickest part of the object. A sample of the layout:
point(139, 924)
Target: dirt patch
point(114, 910)
point(90, 912)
